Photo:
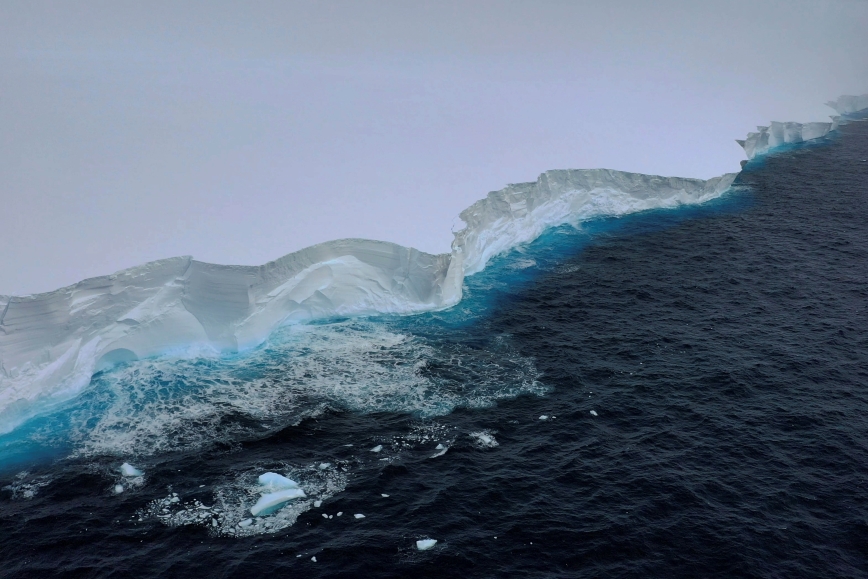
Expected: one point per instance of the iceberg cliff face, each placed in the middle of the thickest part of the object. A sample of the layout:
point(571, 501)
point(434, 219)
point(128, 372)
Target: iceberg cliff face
point(777, 134)
point(52, 343)
point(521, 212)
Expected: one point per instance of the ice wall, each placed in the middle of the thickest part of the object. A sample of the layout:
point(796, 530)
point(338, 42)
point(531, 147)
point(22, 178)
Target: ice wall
point(521, 212)
point(52, 343)
point(777, 134)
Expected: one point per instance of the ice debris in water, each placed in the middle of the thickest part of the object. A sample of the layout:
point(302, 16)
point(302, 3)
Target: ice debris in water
point(359, 516)
point(484, 439)
point(339, 513)
point(325, 465)
point(272, 502)
point(593, 412)
point(384, 495)
point(313, 558)
point(425, 544)
point(377, 448)
point(119, 489)
point(544, 417)
point(129, 470)
point(317, 504)
point(274, 481)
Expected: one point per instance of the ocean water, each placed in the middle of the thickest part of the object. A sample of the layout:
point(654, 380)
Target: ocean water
point(678, 393)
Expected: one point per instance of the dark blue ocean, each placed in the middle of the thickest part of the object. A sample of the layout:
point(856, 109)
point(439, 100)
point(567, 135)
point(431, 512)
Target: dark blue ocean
point(677, 393)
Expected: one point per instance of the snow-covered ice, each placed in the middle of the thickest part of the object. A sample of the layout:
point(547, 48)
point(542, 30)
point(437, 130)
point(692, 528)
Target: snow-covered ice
point(425, 544)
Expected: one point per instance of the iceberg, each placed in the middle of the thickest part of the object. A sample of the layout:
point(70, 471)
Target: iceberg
point(777, 134)
point(274, 481)
point(272, 502)
point(51, 344)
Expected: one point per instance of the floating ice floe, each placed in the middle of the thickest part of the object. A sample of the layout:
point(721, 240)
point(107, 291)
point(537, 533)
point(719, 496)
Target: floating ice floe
point(129, 470)
point(544, 417)
point(377, 448)
point(317, 504)
point(359, 516)
point(119, 489)
point(272, 502)
point(324, 465)
point(274, 481)
point(384, 495)
point(593, 412)
point(425, 544)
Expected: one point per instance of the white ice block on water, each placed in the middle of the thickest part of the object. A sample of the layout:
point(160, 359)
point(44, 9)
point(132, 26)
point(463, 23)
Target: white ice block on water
point(272, 502)
point(129, 470)
point(425, 544)
point(274, 481)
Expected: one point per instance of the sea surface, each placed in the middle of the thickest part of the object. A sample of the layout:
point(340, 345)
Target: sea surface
point(676, 393)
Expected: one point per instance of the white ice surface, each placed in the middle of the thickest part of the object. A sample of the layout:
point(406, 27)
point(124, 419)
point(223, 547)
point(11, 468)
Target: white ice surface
point(274, 481)
point(272, 501)
point(425, 544)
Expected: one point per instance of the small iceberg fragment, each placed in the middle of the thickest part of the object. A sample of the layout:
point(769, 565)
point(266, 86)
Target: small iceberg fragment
point(359, 516)
point(313, 558)
point(484, 439)
point(324, 465)
point(425, 544)
point(544, 417)
point(274, 481)
point(384, 495)
point(593, 412)
point(317, 504)
point(339, 513)
point(245, 523)
point(272, 502)
point(129, 470)
point(377, 448)
point(119, 489)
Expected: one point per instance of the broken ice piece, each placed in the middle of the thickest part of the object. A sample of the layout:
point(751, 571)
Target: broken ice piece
point(325, 516)
point(359, 516)
point(272, 502)
point(439, 447)
point(119, 489)
point(324, 465)
point(317, 504)
point(384, 495)
point(425, 544)
point(544, 417)
point(377, 448)
point(245, 523)
point(275, 481)
point(339, 513)
point(593, 412)
point(313, 558)
point(129, 470)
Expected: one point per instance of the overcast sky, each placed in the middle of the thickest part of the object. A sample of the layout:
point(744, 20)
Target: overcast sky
point(238, 132)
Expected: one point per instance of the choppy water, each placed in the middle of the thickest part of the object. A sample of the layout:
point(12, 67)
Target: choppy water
point(722, 348)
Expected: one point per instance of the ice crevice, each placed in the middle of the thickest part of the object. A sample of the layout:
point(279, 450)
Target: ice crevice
point(52, 343)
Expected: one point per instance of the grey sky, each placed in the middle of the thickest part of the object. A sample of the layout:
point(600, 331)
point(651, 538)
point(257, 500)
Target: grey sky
point(237, 132)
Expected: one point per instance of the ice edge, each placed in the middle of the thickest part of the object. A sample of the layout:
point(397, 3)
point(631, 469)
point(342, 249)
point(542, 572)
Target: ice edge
point(52, 343)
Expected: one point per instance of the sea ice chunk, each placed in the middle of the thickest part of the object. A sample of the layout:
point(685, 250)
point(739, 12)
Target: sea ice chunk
point(275, 481)
point(129, 470)
point(272, 502)
point(425, 544)
point(593, 412)
point(377, 448)
point(359, 516)
point(119, 489)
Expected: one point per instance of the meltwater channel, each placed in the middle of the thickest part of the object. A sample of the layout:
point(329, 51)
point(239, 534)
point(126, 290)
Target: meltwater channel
point(676, 393)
